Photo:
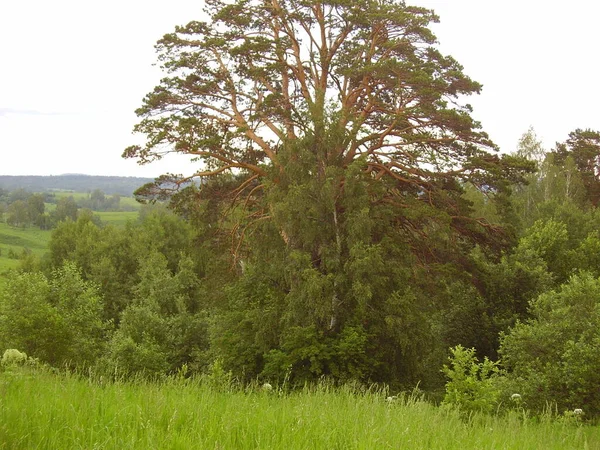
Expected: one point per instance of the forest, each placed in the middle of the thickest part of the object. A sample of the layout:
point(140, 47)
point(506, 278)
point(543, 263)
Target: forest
point(348, 221)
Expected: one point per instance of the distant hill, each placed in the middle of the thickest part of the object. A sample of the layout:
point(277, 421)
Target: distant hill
point(73, 182)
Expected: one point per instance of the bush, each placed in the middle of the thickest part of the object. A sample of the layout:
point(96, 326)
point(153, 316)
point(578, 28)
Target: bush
point(56, 320)
point(29, 322)
point(13, 357)
point(553, 357)
point(472, 385)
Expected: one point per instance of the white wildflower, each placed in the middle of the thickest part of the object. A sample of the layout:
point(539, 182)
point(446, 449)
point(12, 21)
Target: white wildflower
point(578, 411)
point(515, 397)
point(267, 387)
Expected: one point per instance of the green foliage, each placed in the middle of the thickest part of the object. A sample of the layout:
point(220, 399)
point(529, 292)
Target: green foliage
point(306, 355)
point(28, 320)
point(464, 317)
point(98, 201)
point(18, 214)
point(110, 255)
point(80, 304)
point(338, 176)
point(558, 182)
point(66, 208)
point(557, 245)
point(136, 347)
point(250, 324)
point(548, 241)
point(74, 241)
point(579, 154)
point(57, 320)
point(349, 221)
point(163, 328)
point(218, 378)
point(553, 357)
point(471, 384)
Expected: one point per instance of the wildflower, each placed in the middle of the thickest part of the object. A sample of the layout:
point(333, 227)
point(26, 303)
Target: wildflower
point(267, 387)
point(391, 399)
point(515, 397)
point(578, 411)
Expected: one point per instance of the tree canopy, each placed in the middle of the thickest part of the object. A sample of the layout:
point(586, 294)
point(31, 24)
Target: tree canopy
point(279, 90)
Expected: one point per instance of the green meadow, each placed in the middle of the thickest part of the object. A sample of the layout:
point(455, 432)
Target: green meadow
point(44, 410)
point(117, 218)
point(13, 241)
point(17, 238)
point(129, 203)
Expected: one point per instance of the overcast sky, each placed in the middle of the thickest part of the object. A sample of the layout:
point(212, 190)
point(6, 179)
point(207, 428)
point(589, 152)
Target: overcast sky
point(72, 72)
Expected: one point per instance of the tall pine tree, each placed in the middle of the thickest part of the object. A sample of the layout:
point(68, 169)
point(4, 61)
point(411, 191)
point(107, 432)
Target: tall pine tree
point(336, 133)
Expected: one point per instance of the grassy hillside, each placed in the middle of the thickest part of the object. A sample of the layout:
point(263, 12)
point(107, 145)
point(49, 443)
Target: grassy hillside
point(68, 412)
point(14, 240)
point(17, 239)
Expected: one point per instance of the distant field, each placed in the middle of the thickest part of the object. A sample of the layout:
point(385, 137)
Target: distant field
point(117, 218)
point(13, 240)
point(76, 195)
point(17, 239)
point(129, 202)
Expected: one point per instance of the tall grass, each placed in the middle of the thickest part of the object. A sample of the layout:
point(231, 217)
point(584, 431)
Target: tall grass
point(47, 411)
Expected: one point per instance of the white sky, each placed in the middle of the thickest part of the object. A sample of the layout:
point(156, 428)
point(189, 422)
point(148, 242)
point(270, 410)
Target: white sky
point(72, 73)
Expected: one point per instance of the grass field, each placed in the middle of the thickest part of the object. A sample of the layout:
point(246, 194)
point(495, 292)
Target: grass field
point(48, 411)
point(14, 240)
point(130, 203)
point(17, 239)
point(117, 218)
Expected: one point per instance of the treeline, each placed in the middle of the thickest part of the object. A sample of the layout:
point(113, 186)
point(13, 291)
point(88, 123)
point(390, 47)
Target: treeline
point(193, 289)
point(22, 208)
point(124, 186)
point(99, 201)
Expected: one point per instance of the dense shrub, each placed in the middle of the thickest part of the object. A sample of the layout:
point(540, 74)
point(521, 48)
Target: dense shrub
point(553, 357)
point(57, 320)
point(472, 384)
point(12, 357)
